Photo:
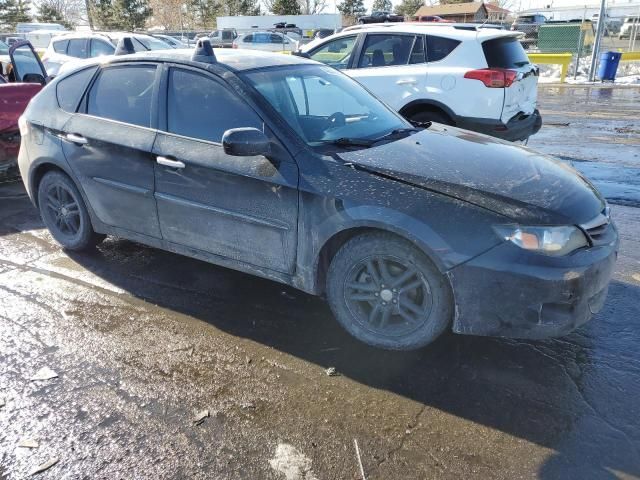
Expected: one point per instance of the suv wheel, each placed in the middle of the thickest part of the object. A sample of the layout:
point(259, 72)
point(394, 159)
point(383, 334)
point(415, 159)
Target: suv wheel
point(431, 116)
point(64, 213)
point(387, 293)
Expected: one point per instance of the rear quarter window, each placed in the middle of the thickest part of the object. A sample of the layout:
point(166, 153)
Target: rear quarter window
point(60, 46)
point(440, 47)
point(504, 53)
point(70, 89)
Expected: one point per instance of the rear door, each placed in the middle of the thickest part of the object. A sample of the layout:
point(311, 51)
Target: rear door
point(522, 95)
point(108, 144)
point(392, 66)
point(241, 208)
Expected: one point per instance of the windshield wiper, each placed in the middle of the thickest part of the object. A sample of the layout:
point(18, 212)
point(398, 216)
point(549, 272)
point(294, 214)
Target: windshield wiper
point(349, 142)
point(396, 133)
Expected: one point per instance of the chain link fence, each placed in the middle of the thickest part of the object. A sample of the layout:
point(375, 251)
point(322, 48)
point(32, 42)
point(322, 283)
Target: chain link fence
point(569, 45)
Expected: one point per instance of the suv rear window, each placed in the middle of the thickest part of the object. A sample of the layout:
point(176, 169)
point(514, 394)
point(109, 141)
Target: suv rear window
point(504, 53)
point(439, 47)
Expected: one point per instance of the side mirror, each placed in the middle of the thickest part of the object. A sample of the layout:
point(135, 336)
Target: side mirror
point(34, 78)
point(299, 53)
point(245, 142)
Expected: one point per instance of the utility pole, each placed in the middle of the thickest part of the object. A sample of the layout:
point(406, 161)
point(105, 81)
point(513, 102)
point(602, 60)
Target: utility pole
point(596, 44)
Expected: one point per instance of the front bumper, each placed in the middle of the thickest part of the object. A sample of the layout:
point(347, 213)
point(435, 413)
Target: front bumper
point(509, 292)
point(520, 127)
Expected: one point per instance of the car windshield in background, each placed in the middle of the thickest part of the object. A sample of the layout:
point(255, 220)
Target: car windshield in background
point(530, 19)
point(151, 43)
point(505, 53)
point(4, 48)
point(322, 105)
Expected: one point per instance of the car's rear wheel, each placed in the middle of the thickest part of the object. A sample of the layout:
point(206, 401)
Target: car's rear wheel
point(387, 293)
point(64, 213)
point(430, 116)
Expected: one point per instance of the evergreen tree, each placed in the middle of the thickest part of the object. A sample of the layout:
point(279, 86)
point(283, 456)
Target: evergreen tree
point(103, 15)
point(13, 12)
point(286, 7)
point(381, 6)
point(51, 14)
point(352, 8)
point(408, 8)
point(132, 14)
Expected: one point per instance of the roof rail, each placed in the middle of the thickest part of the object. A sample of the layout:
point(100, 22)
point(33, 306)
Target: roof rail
point(204, 52)
point(125, 47)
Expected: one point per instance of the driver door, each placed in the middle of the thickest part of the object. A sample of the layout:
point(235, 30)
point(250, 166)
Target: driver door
point(26, 66)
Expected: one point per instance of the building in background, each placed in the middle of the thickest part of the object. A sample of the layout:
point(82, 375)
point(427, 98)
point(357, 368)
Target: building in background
point(456, 12)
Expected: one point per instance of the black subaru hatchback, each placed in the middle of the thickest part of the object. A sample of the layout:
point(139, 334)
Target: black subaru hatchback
point(285, 168)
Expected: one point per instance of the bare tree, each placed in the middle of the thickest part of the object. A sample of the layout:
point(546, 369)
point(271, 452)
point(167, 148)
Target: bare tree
point(312, 7)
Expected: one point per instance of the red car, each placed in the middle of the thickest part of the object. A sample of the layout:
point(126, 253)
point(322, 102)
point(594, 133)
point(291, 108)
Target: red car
point(21, 77)
point(432, 18)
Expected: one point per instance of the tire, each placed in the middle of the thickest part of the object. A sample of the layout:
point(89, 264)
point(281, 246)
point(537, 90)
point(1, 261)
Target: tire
point(431, 116)
point(65, 214)
point(383, 315)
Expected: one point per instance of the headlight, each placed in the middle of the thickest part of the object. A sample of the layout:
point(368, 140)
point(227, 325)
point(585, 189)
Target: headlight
point(554, 241)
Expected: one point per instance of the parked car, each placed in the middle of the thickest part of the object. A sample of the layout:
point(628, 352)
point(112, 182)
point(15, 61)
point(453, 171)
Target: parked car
point(267, 42)
point(289, 29)
point(223, 38)
point(21, 77)
point(631, 25)
point(380, 17)
point(169, 40)
point(530, 26)
point(80, 46)
point(322, 33)
point(432, 19)
point(287, 169)
point(463, 75)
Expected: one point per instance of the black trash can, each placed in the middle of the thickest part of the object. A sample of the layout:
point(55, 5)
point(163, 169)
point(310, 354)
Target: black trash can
point(609, 66)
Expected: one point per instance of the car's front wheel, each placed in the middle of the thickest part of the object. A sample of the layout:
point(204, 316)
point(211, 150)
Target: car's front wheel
point(387, 293)
point(64, 213)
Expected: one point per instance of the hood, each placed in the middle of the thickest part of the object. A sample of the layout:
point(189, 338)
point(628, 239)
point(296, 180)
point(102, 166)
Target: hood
point(508, 179)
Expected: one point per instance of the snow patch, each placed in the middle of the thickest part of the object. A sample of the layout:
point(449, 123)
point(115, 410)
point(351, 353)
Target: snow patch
point(291, 462)
point(628, 73)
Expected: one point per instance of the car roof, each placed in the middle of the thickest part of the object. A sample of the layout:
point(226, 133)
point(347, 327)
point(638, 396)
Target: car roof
point(460, 31)
point(232, 59)
point(109, 35)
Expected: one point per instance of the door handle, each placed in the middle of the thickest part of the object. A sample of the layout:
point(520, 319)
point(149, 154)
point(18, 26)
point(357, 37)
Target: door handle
point(77, 139)
point(406, 82)
point(167, 162)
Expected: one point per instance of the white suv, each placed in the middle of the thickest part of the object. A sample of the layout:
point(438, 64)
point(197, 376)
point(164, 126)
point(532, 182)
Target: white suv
point(77, 46)
point(458, 74)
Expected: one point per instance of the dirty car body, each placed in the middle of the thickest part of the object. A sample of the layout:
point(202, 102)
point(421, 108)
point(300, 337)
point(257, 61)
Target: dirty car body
point(497, 239)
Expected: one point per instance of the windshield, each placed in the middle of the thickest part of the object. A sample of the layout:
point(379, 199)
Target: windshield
point(323, 105)
point(151, 43)
point(4, 48)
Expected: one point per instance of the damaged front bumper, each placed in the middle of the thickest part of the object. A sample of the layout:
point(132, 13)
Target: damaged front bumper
point(509, 292)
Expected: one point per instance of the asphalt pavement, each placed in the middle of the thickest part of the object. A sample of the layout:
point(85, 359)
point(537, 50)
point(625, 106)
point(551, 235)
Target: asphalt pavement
point(166, 367)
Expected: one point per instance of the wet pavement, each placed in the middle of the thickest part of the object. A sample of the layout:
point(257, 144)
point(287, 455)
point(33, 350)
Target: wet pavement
point(145, 343)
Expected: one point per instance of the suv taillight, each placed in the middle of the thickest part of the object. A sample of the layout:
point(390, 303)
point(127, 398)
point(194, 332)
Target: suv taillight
point(493, 77)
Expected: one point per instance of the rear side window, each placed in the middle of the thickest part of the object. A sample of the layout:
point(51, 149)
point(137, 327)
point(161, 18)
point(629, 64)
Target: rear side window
point(248, 39)
point(77, 48)
point(70, 89)
point(60, 46)
point(418, 53)
point(123, 94)
point(505, 53)
point(385, 50)
point(200, 107)
point(439, 47)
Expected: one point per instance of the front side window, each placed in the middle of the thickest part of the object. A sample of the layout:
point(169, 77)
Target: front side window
point(77, 48)
point(335, 53)
point(323, 105)
point(100, 48)
point(124, 94)
point(150, 43)
point(200, 107)
point(385, 50)
point(439, 47)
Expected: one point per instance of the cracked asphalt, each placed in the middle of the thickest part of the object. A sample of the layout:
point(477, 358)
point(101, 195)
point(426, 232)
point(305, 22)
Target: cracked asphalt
point(169, 367)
